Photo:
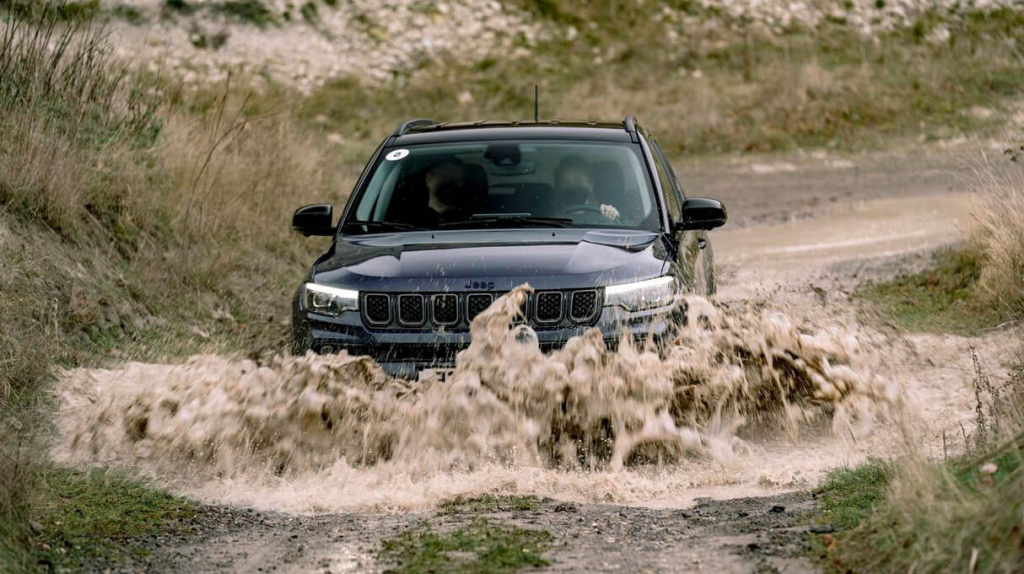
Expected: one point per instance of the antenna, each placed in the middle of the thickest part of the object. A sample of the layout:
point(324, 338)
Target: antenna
point(536, 103)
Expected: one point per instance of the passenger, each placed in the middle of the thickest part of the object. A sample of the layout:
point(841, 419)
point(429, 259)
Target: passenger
point(445, 185)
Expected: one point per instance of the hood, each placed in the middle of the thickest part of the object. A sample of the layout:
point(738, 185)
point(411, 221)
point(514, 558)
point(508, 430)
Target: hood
point(459, 260)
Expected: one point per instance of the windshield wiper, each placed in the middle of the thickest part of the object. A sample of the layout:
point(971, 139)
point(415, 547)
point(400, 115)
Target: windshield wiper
point(489, 218)
point(386, 225)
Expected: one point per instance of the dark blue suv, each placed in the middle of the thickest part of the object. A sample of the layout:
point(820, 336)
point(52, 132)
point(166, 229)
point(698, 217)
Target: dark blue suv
point(447, 217)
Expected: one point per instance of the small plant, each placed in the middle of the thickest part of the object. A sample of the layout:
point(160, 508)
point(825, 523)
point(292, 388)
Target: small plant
point(489, 503)
point(309, 12)
point(481, 547)
point(943, 298)
point(251, 11)
point(130, 14)
point(178, 7)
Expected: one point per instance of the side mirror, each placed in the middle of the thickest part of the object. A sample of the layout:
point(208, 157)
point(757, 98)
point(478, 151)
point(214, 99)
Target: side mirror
point(314, 219)
point(701, 213)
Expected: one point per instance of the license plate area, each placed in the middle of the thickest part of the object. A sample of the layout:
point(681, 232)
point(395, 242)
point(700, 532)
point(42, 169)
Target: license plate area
point(441, 374)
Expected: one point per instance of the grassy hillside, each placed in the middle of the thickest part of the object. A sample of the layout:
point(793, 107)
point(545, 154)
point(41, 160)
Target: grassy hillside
point(721, 89)
point(131, 227)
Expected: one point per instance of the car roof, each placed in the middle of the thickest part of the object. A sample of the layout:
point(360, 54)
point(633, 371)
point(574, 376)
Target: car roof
point(423, 131)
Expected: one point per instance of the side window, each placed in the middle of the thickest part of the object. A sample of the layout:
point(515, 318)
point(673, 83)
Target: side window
point(669, 186)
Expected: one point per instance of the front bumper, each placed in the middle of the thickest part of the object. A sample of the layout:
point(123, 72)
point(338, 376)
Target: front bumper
point(404, 353)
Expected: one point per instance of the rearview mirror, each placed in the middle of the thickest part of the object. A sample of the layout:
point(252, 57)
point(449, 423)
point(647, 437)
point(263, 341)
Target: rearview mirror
point(314, 219)
point(702, 213)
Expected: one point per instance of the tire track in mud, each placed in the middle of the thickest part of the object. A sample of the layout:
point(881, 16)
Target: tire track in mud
point(806, 268)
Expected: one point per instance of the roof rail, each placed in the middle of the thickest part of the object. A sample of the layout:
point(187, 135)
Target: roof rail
point(630, 125)
point(407, 125)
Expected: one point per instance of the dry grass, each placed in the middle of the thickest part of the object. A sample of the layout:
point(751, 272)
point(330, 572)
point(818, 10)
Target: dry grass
point(714, 90)
point(935, 517)
point(1000, 233)
point(133, 226)
point(168, 213)
point(965, 514)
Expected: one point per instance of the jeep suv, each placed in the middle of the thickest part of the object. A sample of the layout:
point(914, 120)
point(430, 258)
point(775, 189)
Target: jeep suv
point(447, 217)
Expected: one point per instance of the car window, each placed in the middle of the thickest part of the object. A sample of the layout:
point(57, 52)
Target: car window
point(508, 184)
point(669, 185)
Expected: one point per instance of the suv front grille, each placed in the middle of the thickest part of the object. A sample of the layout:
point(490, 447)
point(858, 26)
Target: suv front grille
point(446, 309)
point(583, 306)
point(411, 310)
point(476, 303)
point(549, 306)
point(544, 309)
point(377, 309)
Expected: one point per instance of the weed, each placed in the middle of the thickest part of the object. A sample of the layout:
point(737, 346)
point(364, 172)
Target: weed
point(482, 546)
point(929, 516)
point(129, 14)
point(848, 495)
point(944, 298)
point(88, 515)
point(309, 12)
point(936, 518)
point(1000, 233)
point(14, 492)
point(489, 503)
point(251, 11)
point(178, 7)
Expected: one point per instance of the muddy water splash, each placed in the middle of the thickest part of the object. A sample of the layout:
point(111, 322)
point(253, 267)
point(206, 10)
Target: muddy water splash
point(329, 432)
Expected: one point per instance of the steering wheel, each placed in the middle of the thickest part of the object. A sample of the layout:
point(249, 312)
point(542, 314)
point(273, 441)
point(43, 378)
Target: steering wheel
point(582, 208)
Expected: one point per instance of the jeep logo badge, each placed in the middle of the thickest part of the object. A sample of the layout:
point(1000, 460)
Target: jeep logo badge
point(484, 285)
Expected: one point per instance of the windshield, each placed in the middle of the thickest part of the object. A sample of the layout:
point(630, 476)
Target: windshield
point(507, 184)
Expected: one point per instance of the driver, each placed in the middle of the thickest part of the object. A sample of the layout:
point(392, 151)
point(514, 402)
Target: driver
point(575, 187)
point(573, 182)
point(445, 185)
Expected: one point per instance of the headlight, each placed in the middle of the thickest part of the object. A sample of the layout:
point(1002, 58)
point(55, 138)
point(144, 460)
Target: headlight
point(641, 295)
point(330, 301)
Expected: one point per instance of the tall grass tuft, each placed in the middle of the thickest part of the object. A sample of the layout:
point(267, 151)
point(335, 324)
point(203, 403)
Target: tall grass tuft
point(1000, 233)
point(931, 516)
point(65, 110)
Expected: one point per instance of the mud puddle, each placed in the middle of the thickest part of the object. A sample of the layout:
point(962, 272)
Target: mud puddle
point(748, 401)
point(715, 414)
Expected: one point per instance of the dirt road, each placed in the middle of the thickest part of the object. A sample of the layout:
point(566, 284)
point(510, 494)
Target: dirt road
point(806, 232)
